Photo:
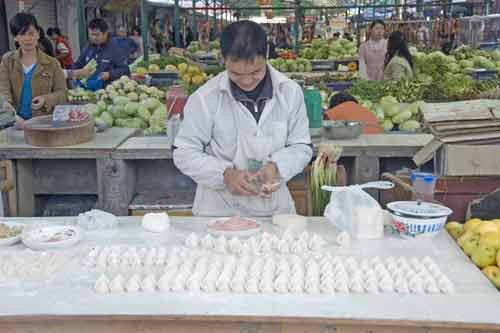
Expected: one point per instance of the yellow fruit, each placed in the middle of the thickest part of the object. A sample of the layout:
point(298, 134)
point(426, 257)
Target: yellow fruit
point(465, 237)
point(141, 71)
point(493, 274)
point(186, 78)
point(486, 226)
point(153, 68)
point(197, 80)
point(171, 68)
point(498, 258)
point(455, 229)
point(471, 224)
point(484, 256)
point(491, 239)
point(182, 67)
point(194, 69)
point(471, 245)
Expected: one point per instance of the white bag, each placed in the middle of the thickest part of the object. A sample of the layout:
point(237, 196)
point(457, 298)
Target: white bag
point(353, 210)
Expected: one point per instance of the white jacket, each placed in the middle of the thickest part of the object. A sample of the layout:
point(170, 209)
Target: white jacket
point(206, 142)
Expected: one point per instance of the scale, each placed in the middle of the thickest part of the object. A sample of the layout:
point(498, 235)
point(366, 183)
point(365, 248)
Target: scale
point(161, 79)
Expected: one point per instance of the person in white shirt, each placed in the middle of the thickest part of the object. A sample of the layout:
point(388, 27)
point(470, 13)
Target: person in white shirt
point(245, 133)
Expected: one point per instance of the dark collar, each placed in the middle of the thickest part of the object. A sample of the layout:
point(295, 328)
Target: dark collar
point(266, 92)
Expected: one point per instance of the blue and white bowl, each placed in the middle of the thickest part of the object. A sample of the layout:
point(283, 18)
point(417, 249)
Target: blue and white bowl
point(414, 219)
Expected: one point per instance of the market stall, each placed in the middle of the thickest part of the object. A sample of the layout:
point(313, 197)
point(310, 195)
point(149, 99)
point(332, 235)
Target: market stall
point(66, 300)
point(86, 169)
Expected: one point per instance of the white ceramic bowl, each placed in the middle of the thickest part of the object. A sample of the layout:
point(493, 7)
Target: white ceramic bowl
point(411, 219)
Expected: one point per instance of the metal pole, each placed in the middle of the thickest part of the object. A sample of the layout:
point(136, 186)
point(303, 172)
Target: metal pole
point(82, 25)
point(193, 23)
point(296, 25)
point(206, 10)
point(145, 31)
point(177, 27)
point(214, 18)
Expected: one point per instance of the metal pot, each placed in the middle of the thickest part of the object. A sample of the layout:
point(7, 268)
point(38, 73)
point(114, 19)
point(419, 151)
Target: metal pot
point(341, 129)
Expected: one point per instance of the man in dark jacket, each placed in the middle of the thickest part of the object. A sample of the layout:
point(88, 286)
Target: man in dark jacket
point(126, 43)
point(110, 58)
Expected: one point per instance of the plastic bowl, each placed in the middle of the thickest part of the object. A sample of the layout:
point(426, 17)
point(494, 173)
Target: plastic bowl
point(422, 220)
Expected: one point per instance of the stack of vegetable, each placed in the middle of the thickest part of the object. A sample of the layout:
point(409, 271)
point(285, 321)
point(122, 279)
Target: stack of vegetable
point(290, 65)
point(195, 47)
point(157, 63)
point(80, 95)
point(338, 50)
point(323, 172)
point(391, 114)
point(124, 103)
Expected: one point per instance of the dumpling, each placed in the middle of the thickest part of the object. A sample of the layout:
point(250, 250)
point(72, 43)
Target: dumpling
point(149, 283)
point(281, 284)
point(117, 284)
point(343, 239)
point(252, 285)
point(193, 283)
point(234, 245)
point(192, 241)
point(207, 242)
point(316, 242)
point(401, 286)
point(311, 285)
point(208, 283)
point(283, 247)
point(102, 285)
point(220, 244)
point(178, 283)
point(133, 284)
point(327, 286)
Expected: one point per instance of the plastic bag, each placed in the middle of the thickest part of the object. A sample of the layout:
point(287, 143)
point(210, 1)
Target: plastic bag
point(353, 210)
point(96, 219)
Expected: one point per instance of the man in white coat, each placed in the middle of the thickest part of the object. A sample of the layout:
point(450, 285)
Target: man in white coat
point(245, 133)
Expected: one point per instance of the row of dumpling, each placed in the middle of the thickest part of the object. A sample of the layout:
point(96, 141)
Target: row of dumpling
point(212, 273)
point(257, 245)
point(30, 264)
point(126, 257)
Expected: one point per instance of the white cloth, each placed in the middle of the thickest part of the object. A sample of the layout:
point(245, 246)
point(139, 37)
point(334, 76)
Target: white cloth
point(206, 142)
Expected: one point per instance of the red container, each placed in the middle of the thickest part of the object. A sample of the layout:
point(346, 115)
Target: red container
point(176, 100)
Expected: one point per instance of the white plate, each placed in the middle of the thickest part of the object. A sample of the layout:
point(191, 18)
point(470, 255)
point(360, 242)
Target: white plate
point(239, 233)
point(11, 240)
point(41, 238)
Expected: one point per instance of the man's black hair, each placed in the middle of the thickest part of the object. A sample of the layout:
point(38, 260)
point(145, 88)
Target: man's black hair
point(374, 23)
point(53, 31)
point(340, 98)
point(98, 24)
point(21, 22)
point(243, 40)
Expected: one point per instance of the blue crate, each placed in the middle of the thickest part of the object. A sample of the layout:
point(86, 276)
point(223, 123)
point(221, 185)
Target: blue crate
point(339, 85)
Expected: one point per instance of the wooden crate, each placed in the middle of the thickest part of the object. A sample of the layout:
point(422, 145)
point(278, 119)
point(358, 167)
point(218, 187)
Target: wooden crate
point(453, 192)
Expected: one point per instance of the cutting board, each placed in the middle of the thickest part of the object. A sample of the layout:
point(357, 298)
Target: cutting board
point(44, 132)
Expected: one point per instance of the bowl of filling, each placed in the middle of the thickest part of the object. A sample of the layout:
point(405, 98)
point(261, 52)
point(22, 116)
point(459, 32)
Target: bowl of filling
point(10, 233)
point(235, 226)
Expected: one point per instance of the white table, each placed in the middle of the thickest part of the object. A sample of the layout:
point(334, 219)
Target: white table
point(69, 304)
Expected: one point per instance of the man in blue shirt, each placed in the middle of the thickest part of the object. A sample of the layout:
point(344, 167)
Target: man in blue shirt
point(112, 63)
point(124, 42)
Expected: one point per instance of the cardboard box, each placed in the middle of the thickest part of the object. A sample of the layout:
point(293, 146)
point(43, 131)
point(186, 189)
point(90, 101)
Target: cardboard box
point(467, 160)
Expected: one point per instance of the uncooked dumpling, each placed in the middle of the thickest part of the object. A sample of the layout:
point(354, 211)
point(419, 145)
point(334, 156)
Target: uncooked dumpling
point(102, 285)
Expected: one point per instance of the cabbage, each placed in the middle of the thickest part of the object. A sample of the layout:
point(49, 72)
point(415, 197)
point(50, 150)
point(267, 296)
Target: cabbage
point(121, 100)
point(118, 111)
point(387, 125)
point(409, 126)
point(389, 105)
point(144, 113)
point(92, 110)
point(401, 117)
point(101, 105)
point(151, 103)
point(414, 107)
point(379, 113)
point(107, 119)
point(131, 108)
point(159, 116)
point(133, 97)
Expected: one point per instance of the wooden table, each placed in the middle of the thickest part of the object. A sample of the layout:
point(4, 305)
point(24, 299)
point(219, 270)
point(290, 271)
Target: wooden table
point(67, 303)
point(81, 169)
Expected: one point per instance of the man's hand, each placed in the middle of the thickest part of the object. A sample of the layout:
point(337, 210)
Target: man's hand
point(239, 182)
point(105, 76)
point(83, 73)
point(38, 102)
point(269, 177)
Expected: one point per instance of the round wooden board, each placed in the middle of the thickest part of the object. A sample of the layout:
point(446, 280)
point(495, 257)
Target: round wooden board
point(43, 132)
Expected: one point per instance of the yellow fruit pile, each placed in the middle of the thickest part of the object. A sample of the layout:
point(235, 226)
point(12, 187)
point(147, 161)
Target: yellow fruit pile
point(191, 74)
point(481, 241)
